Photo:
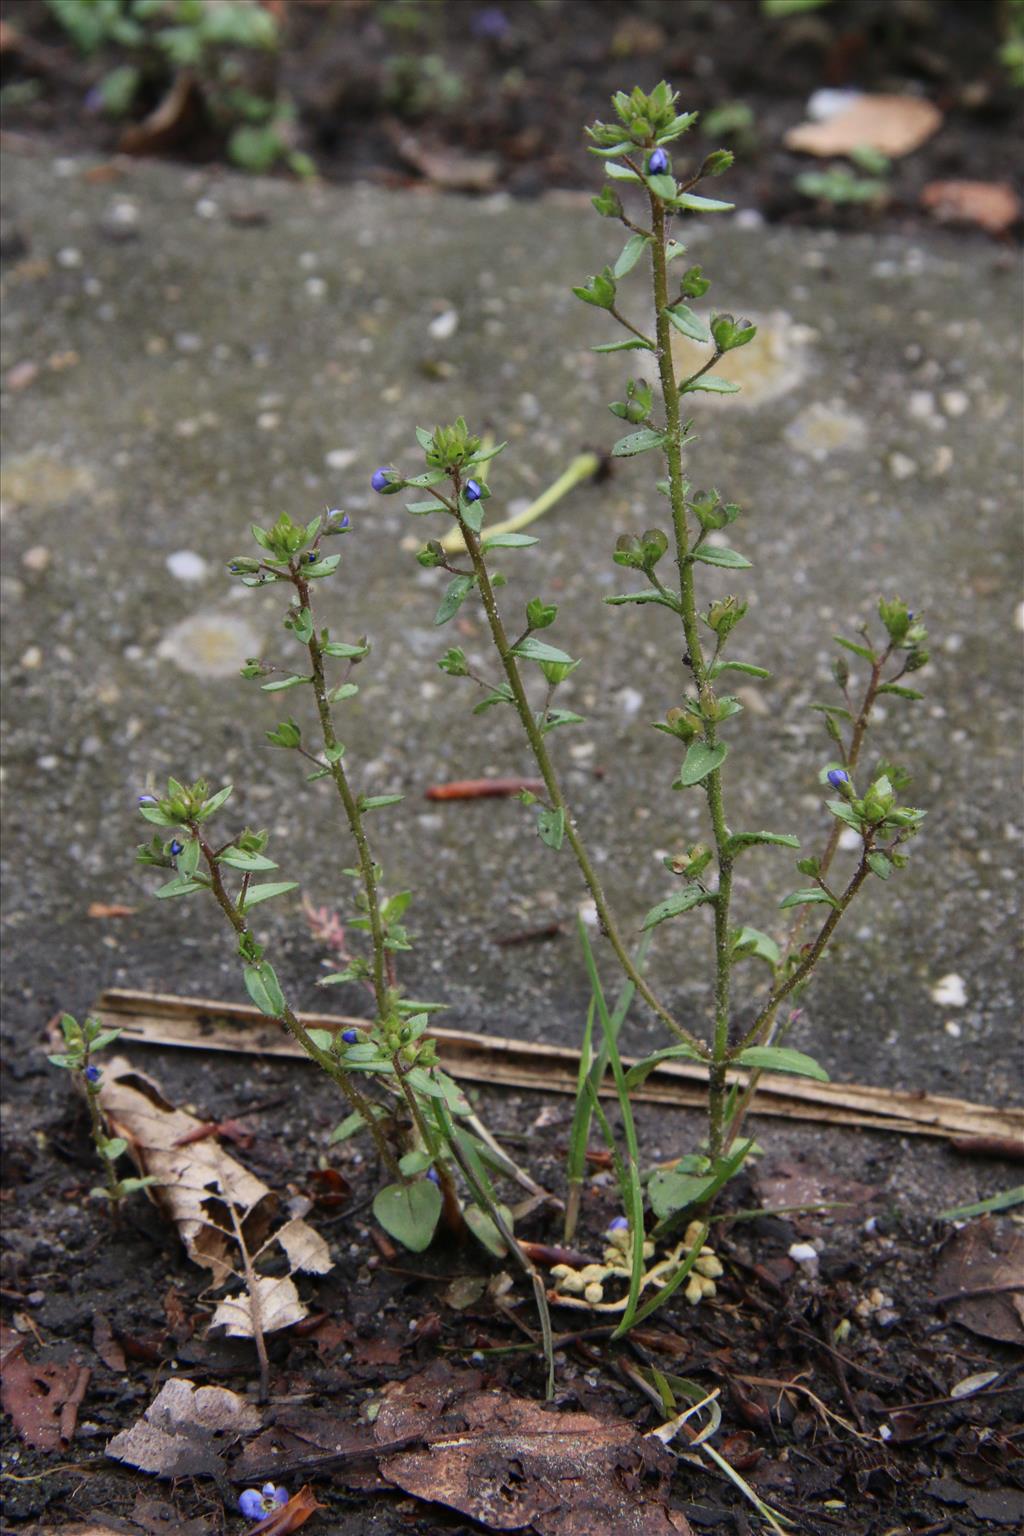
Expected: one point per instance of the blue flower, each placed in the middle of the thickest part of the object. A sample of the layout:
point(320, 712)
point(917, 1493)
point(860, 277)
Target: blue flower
point(618, 1224)
point(93, 1074)
point(312, 557)
point(148, 800)
point(339, 519)
point(255, 1505)
point(837, 777)
point(491, 24)
point(380, 479)
point(350, 1036)
point(472, 491)
point(433, 1176)
point(657, 163)
point(175, 848)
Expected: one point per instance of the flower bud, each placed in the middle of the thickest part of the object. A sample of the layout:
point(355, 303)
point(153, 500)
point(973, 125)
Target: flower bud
point(657, 162)
point(472, 491)
point(380, 480)
point(838, 778)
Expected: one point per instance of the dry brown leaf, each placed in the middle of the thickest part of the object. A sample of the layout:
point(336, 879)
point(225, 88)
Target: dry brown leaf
point(173, 119)
point(444, 165)
point(277, 1305)
point(511, 1463)
point(993, 205)
point(986, 1254)
point(106, 1345)
point(196, 1180)
point(894, 125)
point(185, 1430)
point(42, 1399)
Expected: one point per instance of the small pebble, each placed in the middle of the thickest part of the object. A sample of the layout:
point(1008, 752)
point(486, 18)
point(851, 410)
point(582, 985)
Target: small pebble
point(901, 467)
point(36, 559)
point(444, 325)
point(186, 565)
point(69, 257)
point(806, 1255)
point(31, 658)
point(950, 991)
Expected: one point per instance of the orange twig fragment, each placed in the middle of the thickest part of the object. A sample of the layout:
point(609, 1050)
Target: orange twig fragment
point(290, 1516)
point(483, 789)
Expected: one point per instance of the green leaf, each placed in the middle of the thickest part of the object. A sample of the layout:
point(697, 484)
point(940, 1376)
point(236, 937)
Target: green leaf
point(641, 1069)
point(422, 508)
point(181, 885)
point(508, 541)
point(473, 514)
point(188, 858)
point(237, 858)
point(257, 893)
point(622, 173)
point(630, 255)
point(455, 595)
point(263, 987)
point(672, 906)
point(643, 597)
point(901, 693)
point(409, 1212)
point(691, 325)
point(741, 840)
point(879, 864)
point(858, 650)
point(664, 186)
point(634, 344)
point(322, 567)
point(781, 1058)
point(348, 1127)
point(377, 802)
point(323, 1039)
point(483, 455)
point(809, 897)
point(750, 943)
point(416, 1161)
point(484, 1228)
point(158, 817)
point(283, 683)
point(339, 648)
point(214, 803)
point(710, 384)
point(551, 827)
point(709, 554)
point(739, 666)
point(669, 1191)
point(701, 760)
point(343, 691)
point(637, 442)
point(702, 204)
point(538, 650)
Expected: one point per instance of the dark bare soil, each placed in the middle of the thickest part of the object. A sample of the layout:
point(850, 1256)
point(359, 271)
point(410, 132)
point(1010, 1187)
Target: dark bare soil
point(866, 1439)
point(386, 89)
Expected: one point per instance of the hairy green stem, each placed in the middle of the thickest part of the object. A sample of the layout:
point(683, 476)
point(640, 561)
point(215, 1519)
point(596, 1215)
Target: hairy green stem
point(99, 1135)
point(292, 1023)
point(695, 658)
point(383, 979)
point(547, 772)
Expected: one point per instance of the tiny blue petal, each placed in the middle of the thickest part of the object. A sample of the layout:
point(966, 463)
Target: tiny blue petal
point(312, 557)
point(380, 479)
point(148, 800)
point(251, 1504)
point(658, 162)
point(93, 1074)
point(618, 1224)
point(175, 848)
point(472, 491)
point(349, 1036)
point(837, 776)
point(910, 613)
point(346, 521)
point(433, 1176)
point(278, 1495)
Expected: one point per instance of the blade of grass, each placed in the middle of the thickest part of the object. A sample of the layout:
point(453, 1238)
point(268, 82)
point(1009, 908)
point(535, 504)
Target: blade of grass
point(633, 1197)
point(583, 467)
point(579, 1136)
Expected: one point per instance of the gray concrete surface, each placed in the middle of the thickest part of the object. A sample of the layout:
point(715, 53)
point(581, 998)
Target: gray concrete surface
point(198, 369)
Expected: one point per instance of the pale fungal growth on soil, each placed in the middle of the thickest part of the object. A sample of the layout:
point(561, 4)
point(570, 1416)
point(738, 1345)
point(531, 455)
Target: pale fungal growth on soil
point(586, 1286)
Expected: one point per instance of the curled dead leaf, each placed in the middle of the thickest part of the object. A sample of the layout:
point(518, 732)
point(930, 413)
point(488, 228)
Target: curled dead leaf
point(992, 205)
point(185, 1430)
point(894, 125)
point(290, 1516)
point(199, 1185)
